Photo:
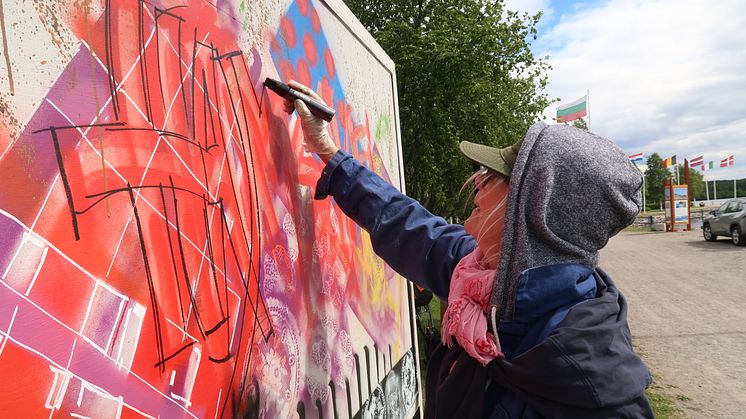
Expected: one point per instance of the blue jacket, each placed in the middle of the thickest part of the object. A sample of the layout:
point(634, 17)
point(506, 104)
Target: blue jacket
point(425, 249)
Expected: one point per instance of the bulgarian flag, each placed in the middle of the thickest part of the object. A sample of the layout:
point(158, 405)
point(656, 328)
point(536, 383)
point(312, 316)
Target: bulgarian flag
point(574, 110)
point(671, 161)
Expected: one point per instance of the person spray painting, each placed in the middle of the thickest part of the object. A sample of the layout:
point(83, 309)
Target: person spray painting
point(533, 327)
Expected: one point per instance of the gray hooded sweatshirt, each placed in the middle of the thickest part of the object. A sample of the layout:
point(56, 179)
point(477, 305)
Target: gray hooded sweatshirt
point(570, 192)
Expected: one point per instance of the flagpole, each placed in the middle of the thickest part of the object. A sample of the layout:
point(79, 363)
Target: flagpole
point(588, 105)
point(707, 186)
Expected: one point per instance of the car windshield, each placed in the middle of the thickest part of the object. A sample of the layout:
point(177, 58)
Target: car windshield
point(734, 206)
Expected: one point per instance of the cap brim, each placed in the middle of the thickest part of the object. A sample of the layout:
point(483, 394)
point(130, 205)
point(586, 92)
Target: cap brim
point(488, 157)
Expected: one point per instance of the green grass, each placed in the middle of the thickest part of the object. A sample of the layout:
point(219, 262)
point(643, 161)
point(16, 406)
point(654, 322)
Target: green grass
point(652, 212)
point(663, 405)
point(639, 229)
point(683, 397)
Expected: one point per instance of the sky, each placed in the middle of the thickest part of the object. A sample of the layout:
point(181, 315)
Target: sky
point(664, 76)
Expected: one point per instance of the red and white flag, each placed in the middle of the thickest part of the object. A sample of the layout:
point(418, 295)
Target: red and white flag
point(728, 161)
point(697, 161)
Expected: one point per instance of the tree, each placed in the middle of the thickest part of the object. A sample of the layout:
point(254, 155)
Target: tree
point(725, 188)
point(580, 123)
point(464, 72)
point(654, 176)
point(696, 182)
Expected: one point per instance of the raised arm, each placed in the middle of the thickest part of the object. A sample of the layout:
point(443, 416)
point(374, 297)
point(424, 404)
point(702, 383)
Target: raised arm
point(420, 246)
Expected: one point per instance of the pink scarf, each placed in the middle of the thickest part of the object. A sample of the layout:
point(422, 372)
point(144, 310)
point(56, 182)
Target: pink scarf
point(466, 319)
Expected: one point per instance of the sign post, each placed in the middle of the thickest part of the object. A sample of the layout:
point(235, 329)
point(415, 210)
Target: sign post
point(688, 196)
point(677, 207)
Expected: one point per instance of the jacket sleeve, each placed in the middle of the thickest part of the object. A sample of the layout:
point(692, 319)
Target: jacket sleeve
point(418, 245)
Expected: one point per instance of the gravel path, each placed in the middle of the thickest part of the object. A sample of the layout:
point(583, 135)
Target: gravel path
point(687, 313)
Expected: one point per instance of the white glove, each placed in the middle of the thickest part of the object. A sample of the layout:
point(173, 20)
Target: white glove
point(316, 137)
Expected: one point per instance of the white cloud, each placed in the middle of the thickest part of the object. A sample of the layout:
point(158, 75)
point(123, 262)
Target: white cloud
point(664, 76)
point(530, 6)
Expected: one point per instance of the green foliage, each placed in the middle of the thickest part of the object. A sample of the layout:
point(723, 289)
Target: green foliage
point(725, 188)
point(654, 176)
point(696, 182)
point(436, 305)
point(580, 123)
point(464, 72)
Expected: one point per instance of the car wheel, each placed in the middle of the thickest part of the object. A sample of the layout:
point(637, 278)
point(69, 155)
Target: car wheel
point(736, 237)
point(708, 234)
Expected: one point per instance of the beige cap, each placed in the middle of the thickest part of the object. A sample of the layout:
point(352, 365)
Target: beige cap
point(500, 160)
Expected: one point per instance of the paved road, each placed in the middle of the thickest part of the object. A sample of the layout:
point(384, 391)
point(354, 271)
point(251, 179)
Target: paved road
point(687, 312)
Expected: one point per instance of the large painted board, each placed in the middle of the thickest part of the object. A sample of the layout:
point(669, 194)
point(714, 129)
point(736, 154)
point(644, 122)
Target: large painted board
point(161, 254)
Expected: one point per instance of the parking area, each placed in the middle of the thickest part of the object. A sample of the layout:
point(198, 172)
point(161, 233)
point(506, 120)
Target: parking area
point(687, 312)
